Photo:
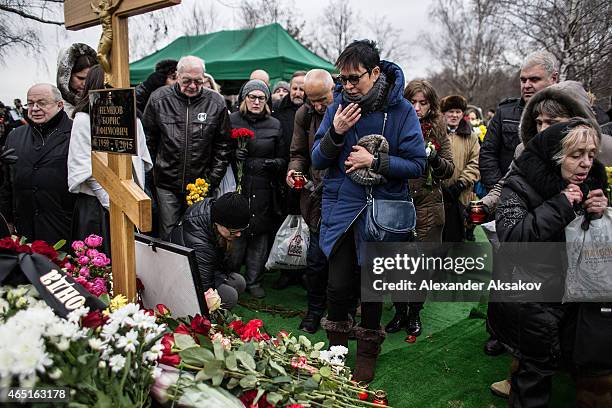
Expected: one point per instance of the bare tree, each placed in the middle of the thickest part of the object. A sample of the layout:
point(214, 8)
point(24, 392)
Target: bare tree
point(201, 21)
point(389, 39)
point(468, 47)
point(576, 32)
point(20, 21)
point(337, 30)
point(151, 31)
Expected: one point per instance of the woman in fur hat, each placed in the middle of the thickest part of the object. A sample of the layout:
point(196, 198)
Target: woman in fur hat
point(72, 68)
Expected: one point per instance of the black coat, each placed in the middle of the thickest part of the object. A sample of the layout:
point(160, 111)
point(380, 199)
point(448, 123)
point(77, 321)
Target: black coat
point(35, 194)
point(497, 150)
point(533, 209)
point(259, 180)
point(285, 113)
point(187, 137)
point(196, 231)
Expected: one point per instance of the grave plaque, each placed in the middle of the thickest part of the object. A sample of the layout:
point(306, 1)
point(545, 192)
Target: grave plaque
point(113, 120)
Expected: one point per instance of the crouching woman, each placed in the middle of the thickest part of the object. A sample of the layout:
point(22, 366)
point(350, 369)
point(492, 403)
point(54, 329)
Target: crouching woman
point(209, 227)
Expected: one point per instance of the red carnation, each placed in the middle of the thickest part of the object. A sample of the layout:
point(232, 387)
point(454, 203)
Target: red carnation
point(41, 247)
point(251, 331)
point(241, 133)
point(8, 243)
point(162, 309)
point(237, 326)
point(94, 319)
point(200, 325)
point(23, 249)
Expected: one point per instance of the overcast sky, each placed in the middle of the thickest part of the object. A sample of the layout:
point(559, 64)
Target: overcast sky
point(410, 17)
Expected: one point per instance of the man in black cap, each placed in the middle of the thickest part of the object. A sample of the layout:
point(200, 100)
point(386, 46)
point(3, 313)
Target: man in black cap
point(164, 74)
point(210, 227)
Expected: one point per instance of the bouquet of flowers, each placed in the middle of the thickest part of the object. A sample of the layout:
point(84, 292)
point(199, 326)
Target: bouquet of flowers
point(262, 370)
point(242, 136)
point(104, 358)
point(197, 191)
point(89, 266)
point(16, 244)
point(431, 145)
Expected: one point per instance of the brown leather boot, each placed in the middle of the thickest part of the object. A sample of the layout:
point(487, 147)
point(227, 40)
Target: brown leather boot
point(368, 349)
point(337, 332)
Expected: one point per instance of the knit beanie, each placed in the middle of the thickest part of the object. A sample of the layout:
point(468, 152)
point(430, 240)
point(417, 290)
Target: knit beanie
point(281, 84)
point(255, 85)
point(231, 210)
point(453, 102)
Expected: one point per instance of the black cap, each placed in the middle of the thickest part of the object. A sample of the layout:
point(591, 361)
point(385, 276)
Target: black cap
point(231, 210)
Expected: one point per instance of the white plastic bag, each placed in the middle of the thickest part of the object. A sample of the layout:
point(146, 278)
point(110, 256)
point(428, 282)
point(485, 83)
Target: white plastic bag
point(290, 245)
point(589, 256)
point(228, 183)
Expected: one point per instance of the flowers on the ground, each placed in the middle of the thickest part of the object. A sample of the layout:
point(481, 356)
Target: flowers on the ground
point(242, 136)
point(197, 191)
point(213, 300)
point(19, 245)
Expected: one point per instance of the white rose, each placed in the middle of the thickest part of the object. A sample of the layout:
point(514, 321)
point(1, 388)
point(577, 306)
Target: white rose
point(213, 300)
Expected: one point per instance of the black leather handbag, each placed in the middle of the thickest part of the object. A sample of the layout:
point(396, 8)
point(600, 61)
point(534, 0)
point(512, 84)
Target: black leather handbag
point(390, 220)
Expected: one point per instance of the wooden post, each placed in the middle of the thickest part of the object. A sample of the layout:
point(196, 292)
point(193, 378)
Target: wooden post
point(129, 205)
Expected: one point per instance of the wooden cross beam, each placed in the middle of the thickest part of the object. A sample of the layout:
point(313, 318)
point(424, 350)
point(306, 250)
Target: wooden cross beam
point(129, 205)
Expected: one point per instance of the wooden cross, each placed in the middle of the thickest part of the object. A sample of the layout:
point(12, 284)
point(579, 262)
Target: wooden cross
point(129, 205)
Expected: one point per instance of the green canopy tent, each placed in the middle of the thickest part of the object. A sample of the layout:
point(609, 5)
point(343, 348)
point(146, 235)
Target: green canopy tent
point(231, 56)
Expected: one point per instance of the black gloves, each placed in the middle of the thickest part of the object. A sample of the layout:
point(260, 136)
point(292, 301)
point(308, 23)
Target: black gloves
point(7, 156)
point(456, 189)
point(242, 154)
point(434, 158)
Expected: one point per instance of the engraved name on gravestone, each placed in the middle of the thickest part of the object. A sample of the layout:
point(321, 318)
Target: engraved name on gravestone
point(113, 120)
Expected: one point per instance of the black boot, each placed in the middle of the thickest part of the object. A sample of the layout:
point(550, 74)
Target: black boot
point(337, 332)
point(368, 349)
point(400, 320)
point(310, 323)
point(493, 347)
point(414, 327)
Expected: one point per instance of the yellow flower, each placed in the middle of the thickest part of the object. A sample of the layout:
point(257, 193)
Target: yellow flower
point(118, 302)
point(609, 172)
point(200, 182)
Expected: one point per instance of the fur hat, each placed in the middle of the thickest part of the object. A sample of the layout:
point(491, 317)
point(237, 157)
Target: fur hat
point(255, 85)
point(231, 210)
point(453, 102)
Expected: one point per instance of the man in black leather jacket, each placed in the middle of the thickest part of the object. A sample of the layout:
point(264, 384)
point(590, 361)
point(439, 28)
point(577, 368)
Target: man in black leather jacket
point(188, 136)
point(539, 71)
point(210, 227)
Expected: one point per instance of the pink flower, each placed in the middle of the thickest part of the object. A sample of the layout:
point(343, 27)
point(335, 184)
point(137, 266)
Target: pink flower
point(98, 287)
point(83, 282)
point(68, 266)
point(100, 260)
point(84, 272)
point(83, 260)
point(78, 246)
point(93, 241)
point(92, 253)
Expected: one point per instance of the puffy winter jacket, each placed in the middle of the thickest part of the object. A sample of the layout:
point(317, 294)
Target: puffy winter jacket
point(344, 200)
point(497, 150)
point(197, 231)
point(258, 181)
point(187, 137)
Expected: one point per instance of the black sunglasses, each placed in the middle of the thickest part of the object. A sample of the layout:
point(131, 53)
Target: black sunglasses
point(353, 79)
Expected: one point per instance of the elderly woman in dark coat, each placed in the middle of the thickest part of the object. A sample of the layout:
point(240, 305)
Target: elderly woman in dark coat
point(262, 163)
point(540, 198)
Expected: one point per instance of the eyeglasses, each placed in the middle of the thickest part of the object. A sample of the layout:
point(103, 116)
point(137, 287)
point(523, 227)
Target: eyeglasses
point(42, 104)
point(353, 79)
point(189, 81)
point(253, 98)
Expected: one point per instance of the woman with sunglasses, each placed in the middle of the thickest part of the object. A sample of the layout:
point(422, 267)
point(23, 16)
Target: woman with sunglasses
point(262, 163)
point(211, 227)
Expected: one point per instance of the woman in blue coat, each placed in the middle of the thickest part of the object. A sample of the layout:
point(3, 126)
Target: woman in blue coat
point(368, 101)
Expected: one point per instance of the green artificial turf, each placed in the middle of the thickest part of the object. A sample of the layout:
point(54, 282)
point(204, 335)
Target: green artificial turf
point(446, 367)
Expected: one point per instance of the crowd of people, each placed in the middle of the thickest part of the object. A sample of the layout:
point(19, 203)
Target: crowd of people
point(363, 134)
